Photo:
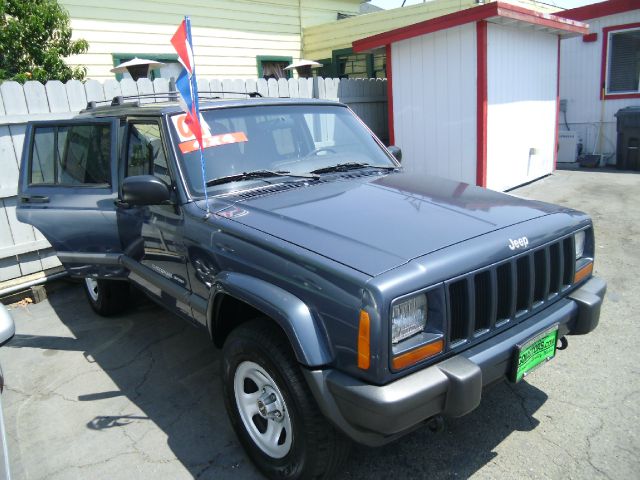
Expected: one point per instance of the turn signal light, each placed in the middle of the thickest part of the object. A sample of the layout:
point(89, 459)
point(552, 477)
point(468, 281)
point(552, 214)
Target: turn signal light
point(583, 272)
point(364, 336)
point(414, 356)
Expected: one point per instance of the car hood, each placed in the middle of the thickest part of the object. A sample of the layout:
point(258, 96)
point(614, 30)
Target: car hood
point(373, 223)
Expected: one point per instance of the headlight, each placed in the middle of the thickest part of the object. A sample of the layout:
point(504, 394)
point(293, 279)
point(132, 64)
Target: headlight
point(579, 239)
point(408, 318)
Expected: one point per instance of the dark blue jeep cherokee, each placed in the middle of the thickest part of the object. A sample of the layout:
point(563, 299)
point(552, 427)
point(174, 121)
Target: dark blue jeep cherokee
point(352, 300)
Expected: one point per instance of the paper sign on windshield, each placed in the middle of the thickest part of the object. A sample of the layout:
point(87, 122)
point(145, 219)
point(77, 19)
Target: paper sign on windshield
point(188, 139)
point(184, 132)
point(214, 141)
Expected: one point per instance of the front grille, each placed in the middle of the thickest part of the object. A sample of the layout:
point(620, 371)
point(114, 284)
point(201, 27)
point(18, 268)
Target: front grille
point(487, 299)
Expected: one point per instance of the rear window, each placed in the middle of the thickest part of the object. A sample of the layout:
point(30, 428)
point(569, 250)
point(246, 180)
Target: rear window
point(71, 155)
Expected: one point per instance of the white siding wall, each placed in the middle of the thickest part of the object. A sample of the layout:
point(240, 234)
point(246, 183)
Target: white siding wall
point(580, 65)
point(434, 102)
point(522, 90)
point(320, 40)
point(227, 34)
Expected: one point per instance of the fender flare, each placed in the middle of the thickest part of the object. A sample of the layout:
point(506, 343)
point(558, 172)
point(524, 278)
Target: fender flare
point(305, 334)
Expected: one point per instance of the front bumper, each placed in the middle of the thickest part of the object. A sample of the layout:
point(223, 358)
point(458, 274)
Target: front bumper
point(375, 415)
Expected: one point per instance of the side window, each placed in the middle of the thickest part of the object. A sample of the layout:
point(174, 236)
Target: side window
point(71, 155)
point(43, 158)
point(86, 154)
point(145, 153)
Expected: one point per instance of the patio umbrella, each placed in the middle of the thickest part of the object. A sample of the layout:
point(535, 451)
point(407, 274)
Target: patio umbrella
point(137, 68)
point(303, 67)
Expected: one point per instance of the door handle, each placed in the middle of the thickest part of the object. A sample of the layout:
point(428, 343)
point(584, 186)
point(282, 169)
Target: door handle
point(120, 204)
point(34, 199)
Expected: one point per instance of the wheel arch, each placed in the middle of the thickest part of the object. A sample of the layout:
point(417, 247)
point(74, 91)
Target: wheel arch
point(304, 332)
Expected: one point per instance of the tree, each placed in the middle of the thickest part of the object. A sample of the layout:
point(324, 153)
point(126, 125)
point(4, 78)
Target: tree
point(35, 37)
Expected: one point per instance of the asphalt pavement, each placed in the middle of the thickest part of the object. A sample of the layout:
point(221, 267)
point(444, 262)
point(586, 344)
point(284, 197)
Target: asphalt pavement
point(138, 395)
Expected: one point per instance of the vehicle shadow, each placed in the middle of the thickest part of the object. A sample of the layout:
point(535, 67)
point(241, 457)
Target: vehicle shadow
point(169, 371)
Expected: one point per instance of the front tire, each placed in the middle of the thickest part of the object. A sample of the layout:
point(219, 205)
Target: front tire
point(107, 297)
point(272, 410)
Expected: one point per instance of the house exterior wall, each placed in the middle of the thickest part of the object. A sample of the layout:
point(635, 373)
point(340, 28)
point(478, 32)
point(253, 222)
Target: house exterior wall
point(521, 96)
point(434, 97)
point(228, 34)
point(321, 40)
point(580, 79)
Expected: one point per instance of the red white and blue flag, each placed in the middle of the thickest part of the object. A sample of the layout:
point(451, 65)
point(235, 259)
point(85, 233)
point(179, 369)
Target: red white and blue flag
point(186, 83)
point(188, 90)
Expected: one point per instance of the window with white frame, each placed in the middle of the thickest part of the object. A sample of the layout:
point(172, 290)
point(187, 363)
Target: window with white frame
point(623, 62)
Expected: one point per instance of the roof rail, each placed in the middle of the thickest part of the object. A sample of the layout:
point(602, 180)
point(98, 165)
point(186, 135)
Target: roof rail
point(250, 94)
point(171, 95)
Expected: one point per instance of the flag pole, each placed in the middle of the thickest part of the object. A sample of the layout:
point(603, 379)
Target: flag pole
point(187, 87)
point(196, 102)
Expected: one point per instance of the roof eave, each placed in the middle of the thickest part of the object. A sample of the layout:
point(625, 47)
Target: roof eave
point(597, 10)
point(490, 12)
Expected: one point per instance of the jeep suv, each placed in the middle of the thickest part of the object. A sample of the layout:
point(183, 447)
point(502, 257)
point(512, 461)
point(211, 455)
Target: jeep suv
point(352, 300)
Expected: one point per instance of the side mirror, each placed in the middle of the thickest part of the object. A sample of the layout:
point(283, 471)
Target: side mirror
point(7, 327)
point(396, 152)
point(145, 190)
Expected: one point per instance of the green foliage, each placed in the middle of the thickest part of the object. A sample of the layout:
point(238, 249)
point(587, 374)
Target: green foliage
point(35, 37)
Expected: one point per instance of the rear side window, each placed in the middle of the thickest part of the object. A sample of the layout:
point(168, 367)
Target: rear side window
point(71, 155)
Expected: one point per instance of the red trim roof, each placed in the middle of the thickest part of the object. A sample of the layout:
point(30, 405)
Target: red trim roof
point(602, 9)
point(483, 12)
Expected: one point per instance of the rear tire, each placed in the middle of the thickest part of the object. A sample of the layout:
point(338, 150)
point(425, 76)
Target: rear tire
point(272, 410)
point(107, 297)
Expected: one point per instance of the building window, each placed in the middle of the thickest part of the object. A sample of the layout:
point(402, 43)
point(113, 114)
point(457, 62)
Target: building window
point(351, 65)
point(273, 67)
point(170, 69)
point(379, 64)
point(622, 61)
point(346, 64)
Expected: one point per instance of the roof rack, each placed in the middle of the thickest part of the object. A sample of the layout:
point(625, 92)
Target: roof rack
point(171, 95)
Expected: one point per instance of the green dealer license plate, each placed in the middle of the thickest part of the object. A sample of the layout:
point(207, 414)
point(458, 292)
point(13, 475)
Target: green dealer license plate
point(534, 352)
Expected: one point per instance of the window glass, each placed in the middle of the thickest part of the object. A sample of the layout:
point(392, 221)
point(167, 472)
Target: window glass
point(284, 142)
point(624, 62)
point(274, 70)
point(43, 158)
point(352, 66)
point(71, 155)
point(86, 154)
point(145, 153)
point(285, 138)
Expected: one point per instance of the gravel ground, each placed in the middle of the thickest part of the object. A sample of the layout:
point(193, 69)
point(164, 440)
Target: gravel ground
point(137, 396)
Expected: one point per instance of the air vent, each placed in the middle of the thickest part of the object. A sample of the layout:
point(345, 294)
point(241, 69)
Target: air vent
point(283, 187)
point(262, 191)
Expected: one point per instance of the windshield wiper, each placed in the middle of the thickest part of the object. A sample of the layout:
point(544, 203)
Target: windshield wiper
point(343, 167)
point(255, 174)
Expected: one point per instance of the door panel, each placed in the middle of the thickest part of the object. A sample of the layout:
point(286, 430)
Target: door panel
point(68, 185)
point(152, 235)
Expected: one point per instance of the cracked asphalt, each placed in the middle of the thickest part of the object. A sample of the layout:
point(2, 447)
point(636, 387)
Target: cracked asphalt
point(138, 396)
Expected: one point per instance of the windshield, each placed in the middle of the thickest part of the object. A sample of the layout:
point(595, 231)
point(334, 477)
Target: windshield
point(287, 139)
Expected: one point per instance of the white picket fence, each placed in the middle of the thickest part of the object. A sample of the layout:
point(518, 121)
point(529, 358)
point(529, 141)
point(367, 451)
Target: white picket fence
point(23, 249)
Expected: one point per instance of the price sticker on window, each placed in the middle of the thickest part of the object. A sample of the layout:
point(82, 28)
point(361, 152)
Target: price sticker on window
point(189, 143)
point(184, 132)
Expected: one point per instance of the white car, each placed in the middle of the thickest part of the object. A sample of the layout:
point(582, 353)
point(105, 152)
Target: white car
point(7, 331)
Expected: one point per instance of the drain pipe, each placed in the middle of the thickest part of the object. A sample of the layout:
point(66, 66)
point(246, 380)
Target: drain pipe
point(32, 283)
